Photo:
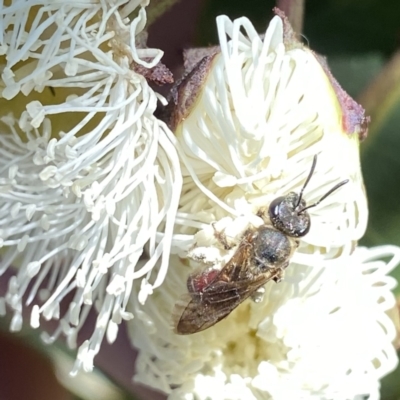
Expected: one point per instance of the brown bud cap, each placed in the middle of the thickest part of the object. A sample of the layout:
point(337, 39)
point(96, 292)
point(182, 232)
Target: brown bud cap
point(185, 93)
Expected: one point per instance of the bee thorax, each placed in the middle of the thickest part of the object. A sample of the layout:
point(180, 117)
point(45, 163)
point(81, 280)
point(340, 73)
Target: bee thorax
point(271, 248)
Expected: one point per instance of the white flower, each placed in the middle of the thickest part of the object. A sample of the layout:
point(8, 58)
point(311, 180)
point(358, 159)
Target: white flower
point(88, 175)
point(322, 333)
point(266, 107)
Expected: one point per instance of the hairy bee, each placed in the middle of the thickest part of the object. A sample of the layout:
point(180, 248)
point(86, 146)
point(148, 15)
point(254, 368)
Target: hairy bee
point(262, 255)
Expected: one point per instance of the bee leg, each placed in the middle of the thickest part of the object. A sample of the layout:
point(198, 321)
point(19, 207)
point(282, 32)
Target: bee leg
point(221, 237)
point(258, 295)
point(263, 214)
point(280, 273)
point(279, 277)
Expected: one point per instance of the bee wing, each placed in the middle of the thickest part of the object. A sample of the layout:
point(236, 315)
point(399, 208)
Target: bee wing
point(199, 311)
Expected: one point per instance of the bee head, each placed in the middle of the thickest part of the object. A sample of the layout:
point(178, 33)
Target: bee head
point(289, 213)
point(284, 213)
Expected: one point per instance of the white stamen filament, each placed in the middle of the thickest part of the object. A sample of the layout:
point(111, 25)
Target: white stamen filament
point(87, 178)
point(262, 115)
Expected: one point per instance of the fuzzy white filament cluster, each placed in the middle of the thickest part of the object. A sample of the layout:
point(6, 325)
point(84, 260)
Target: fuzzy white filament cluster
point(87, 173)
point(265, 110)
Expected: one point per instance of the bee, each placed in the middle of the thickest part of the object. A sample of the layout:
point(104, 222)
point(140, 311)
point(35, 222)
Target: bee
point(261, 256)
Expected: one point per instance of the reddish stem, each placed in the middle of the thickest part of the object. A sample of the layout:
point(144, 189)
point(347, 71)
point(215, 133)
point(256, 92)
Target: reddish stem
point(294, 10)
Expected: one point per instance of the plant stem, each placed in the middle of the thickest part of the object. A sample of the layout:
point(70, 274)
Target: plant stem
point(294, 10)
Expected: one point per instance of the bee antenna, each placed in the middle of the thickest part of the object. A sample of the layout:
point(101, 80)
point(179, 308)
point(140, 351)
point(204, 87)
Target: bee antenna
point(307, 180)
point(324, 196)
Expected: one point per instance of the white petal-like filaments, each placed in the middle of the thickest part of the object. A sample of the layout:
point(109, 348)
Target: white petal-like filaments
point(262, 115)
point(321, 333)
point(264, 112)
point(86, 180)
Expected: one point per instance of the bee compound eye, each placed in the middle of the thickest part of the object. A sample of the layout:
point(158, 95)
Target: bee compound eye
point(274, 208)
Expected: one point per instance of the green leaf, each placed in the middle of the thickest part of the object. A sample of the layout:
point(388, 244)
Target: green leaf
point(390, 388)
point(355, 71)
point(380, 157)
